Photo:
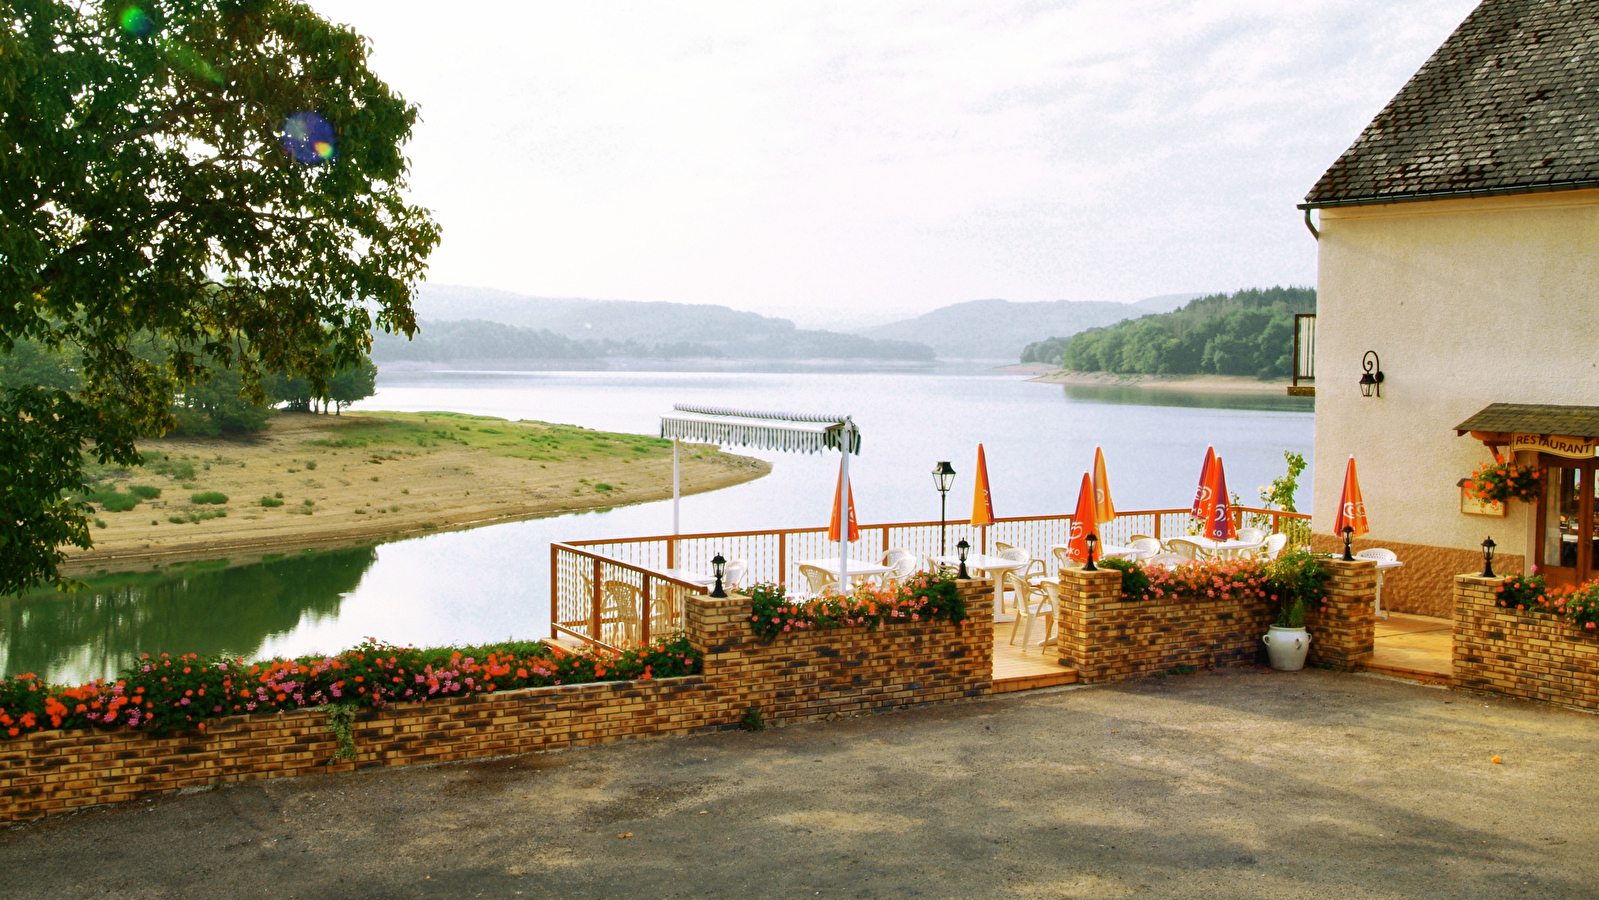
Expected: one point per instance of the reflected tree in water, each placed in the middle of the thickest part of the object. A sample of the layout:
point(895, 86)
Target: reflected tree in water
point(203, 608)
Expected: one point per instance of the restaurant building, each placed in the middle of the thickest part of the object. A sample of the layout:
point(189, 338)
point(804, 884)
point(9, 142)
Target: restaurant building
point(1458, 243)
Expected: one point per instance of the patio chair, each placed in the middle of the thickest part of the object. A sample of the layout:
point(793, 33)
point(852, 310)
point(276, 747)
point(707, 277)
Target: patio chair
point(933, 565)
point(1146, 548)
point(1185, 548)
point(1022, 554)
point(1274, 546)
point(1141, 537)
point(1031, 601)
point(620, 603)
point(1062, 561)
point(1252, 535)
point(820, 581)
point(903, 563)
point(1052, 590)
point(1381, 554)
point(733, 574)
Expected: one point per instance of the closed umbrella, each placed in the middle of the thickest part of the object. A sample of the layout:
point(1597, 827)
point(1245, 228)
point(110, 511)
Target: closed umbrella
point(1204, 507)
point(1351, 509)
point(836, 530)
point(982, 503)
point(1221, 525)
point(1082, 521)
point(1104, 509)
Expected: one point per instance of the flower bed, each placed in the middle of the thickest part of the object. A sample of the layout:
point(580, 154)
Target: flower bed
point(1503, 480)
point(179, 694)
point(1579, 604)
point(923, 597)
point(1293, 583)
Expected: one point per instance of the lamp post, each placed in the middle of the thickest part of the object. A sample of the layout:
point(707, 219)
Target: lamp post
point(718, 566)
point(1092, 540)
point(961, 547)
point(943, 477)
point(1371, 382)
point(1488, 558)
point(1349, 535)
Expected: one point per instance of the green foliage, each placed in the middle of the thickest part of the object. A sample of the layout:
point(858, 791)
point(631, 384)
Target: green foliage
point(1503, 480)
point(1280, 495)
point(923, 597)
point(752, 720)
point(1136, 587)
point(341, 723)
point(217, 405)
point(179, 470)
point(168, 694)
point(145, 491)
point(271, 501)
point(151, 198)
point(1298, 579)
point(1246, 333)
point(1048, 350)
point(216, 497)
point(113, 501)
point(1523, 592)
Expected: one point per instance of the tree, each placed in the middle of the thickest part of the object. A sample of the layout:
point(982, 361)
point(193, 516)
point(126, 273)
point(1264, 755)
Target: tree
point(354, 383)
point(222, 177)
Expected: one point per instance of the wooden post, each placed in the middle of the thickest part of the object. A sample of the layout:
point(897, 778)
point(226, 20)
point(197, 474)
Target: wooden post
point(644, 627)
point(555, 589)
point(594, 610)
point(782, 558)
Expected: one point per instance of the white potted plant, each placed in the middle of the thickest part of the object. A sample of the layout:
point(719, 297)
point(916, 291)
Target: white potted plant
point(1296, 582)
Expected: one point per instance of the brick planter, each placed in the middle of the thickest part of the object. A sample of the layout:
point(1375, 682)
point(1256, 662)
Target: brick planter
point(797, 677)
point(1528, 654)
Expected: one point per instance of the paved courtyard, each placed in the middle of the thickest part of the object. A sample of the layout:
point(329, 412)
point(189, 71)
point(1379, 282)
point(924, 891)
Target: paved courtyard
point(1235, 784)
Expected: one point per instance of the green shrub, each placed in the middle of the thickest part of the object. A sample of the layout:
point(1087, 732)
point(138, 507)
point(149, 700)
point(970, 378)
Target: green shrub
point(205, 497)
point(1297, 579)
point(145, 491)
point(176, 520)
point(1135, 579)
point(923, 597)
point(602, 486)
point(114, 501)
point(310, 465)
point(309, 502)
point(271, 501)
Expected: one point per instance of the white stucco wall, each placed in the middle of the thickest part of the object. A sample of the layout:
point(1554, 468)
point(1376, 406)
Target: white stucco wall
point(1468, 302)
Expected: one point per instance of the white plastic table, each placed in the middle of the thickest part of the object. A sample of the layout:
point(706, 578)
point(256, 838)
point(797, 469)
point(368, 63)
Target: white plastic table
point(1382, 566)
point(1105, 551)
point(856, 567)
point(992, 567)
point(691, 576)
point(1223, 548)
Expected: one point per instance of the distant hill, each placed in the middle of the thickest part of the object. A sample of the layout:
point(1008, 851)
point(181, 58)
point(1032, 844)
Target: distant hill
point(1000, 329)
point(1249, 332)
point(459, 323)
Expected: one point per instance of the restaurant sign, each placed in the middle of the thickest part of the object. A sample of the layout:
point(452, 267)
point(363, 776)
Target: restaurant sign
point(1556, 445)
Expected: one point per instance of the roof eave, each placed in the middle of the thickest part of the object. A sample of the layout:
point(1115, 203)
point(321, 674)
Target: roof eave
point(1544, 188)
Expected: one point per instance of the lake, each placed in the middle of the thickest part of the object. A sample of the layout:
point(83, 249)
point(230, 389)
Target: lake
point(493, 583)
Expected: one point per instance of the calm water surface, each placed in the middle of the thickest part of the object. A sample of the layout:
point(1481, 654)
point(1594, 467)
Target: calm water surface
point(493, 583)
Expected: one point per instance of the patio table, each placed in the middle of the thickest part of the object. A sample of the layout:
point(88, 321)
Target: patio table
point(1225, 548)
point(1105, 551)
point(991, 567)
point(1382, 566)
point(690, 576)
point(856, 567)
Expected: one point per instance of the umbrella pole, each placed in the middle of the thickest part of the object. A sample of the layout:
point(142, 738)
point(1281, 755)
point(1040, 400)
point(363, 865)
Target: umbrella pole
point(843, 516)
point(677, 493)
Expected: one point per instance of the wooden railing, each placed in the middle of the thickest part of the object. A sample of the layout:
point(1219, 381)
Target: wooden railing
point(601, 589)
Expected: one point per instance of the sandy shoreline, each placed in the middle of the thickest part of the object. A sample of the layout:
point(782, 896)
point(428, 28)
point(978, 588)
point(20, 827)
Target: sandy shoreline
point(1196, 384)
point(313, 481)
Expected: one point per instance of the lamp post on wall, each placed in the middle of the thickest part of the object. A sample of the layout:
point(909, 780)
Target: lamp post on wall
point(943, 477)
point(962, 547)
point(1371, 382)
point(1349, 535)
point(718, 566)
point(1092, 540)
point(1488, 546)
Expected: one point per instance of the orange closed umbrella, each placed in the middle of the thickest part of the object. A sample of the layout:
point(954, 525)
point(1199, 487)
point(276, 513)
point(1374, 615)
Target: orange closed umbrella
point(1220, 527)
point(1351, 509)
point(1104, 509)
point(982, 503)
point(835, 529)
point(1204, 498)
point(1082, 521)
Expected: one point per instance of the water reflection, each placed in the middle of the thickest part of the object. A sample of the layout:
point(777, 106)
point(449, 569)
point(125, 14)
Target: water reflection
point(1133, 395)
point(198, 608)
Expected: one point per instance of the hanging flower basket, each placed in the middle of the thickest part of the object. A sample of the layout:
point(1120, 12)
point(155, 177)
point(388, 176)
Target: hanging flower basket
point(1497, 482)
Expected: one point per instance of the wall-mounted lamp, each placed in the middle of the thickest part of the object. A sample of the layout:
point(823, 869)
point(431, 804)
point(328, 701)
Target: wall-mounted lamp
point(1092, 540)
point(1371, 382)
point(1488, 558)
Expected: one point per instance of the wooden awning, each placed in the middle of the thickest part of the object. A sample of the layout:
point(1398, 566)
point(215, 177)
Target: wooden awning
point(1571, 431)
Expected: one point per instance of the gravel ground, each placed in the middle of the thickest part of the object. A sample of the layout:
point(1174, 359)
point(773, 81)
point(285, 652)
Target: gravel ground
point(1234, 784)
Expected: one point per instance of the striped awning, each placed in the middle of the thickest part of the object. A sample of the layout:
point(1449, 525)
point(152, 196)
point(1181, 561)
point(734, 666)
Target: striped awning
point(722, 426)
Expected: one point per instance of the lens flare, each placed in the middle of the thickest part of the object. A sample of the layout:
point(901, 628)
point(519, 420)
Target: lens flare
point(135, 22)
point(308, 138)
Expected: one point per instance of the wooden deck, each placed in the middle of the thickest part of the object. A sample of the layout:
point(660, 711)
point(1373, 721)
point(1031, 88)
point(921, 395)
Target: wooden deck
point(1419, 647)
point(1016, 670)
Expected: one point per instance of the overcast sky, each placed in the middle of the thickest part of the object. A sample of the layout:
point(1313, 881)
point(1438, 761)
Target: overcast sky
point(784, 157)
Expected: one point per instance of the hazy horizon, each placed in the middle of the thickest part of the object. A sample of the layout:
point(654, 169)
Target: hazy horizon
point(830, 162)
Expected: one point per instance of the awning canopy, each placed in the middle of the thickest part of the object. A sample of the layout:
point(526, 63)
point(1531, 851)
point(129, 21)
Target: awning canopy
point(1534, 418)
point(755, 428)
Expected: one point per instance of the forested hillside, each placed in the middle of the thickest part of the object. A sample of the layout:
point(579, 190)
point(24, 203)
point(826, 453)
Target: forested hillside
point(1250, 332)
point(999, 329)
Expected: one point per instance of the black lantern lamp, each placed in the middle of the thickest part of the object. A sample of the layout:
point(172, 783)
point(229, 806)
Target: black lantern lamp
point(1092, 540)
point(1488, 558)
point(961, 547)
point(1371, 382)
point(1349, 535)
point(718, 566)
point(943, 477)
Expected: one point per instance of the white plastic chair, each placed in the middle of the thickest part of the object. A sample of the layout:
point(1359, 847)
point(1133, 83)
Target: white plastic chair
point(733, 574)
point(820, 581)
point(1274, 546)
point(1145, 548)
point(621, 602)
point(1064, 561)
point(902, 564)
point(1381, 554)
point(1251, 535)
point(1185, 548)
point(1022, 554)
point(1031, 601)
point(1165, 560)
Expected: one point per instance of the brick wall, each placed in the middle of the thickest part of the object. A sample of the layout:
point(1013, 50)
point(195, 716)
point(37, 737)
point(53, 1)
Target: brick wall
point(1107, 639)
point(1425, 586)
point(1532, 655)
point(806, 675)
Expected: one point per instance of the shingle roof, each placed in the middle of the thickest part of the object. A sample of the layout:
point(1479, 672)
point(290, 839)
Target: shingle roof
point(1535, 418)
point(1509, 104)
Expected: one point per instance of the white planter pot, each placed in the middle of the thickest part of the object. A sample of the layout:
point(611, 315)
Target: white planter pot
point(1287, 648)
